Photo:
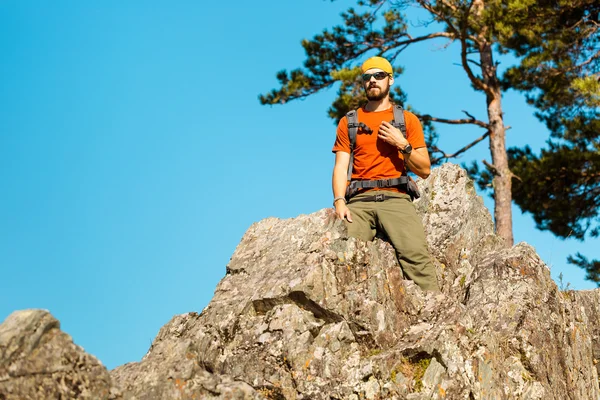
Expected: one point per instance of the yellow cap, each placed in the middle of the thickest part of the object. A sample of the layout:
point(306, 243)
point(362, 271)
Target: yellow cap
point(377, 62)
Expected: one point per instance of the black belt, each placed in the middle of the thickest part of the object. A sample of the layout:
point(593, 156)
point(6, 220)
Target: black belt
point(356, 186)
point(377, 197)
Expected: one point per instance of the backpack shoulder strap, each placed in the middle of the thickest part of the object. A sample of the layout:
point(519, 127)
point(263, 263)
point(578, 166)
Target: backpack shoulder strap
point(352, 119)
point(398, 121)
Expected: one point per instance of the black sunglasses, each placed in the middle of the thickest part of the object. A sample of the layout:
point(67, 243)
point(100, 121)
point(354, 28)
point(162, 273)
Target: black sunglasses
point(377, 75)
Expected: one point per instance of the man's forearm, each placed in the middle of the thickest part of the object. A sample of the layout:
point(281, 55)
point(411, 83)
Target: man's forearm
point(338, 182)
point(419, 163)
point(339, 190)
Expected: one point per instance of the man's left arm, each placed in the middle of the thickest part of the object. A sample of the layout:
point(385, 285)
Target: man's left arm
point(418, 162)
point(418, 159)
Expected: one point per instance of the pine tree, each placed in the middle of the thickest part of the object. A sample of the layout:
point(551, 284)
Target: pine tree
point(531, 30)
point(560, 74)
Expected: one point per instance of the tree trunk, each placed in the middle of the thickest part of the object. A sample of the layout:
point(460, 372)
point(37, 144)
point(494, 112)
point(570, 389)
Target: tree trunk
point(502, 175)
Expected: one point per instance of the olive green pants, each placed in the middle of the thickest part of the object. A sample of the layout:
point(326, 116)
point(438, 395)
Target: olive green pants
point(396, 219)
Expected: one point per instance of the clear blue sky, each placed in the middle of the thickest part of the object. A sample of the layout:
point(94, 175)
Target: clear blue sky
point(134, 153)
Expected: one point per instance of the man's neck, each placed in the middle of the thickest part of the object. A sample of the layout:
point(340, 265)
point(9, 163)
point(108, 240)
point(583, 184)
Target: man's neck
point(378, 105)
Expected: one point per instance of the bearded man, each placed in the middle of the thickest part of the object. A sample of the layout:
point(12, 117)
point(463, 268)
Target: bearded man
point(384, 155)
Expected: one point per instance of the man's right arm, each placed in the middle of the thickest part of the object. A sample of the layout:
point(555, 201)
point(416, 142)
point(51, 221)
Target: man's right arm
point(339, 182)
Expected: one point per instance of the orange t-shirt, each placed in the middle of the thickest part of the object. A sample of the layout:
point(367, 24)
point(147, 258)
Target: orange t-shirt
point(373, 157)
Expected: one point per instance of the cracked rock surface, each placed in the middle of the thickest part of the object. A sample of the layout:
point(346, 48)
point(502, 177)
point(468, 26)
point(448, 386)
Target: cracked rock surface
point(39, 361)
point(304, 312)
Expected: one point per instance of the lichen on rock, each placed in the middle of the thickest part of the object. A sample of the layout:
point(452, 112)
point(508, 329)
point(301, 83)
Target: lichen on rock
point(304, 312)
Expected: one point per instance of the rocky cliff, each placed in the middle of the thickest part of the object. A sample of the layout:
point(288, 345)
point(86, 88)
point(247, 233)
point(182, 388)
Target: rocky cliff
point(39, 361)
point(304, 312)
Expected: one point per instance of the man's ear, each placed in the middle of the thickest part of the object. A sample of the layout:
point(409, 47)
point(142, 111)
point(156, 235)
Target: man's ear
point(391, 80)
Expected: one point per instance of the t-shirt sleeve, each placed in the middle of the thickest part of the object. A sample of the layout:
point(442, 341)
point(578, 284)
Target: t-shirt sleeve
point(414, 130)
point(342, 142)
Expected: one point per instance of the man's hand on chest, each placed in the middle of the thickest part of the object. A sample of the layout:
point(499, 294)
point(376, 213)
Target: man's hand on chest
point(388, 133)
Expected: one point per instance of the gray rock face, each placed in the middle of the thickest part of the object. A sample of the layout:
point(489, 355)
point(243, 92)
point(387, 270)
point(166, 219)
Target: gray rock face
point(38, 361)
point(589, 302)
point(304, 312)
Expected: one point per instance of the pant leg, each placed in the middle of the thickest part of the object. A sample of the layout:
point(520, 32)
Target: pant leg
point(399, 219)
point(363, 225)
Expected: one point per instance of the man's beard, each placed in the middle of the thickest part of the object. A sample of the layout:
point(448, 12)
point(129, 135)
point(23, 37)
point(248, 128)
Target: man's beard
point(376, 97)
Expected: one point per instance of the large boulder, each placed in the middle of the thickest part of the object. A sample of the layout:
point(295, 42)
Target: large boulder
point(39, 361)
point(304, 312)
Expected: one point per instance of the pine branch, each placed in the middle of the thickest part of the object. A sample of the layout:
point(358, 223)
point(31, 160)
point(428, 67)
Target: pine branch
point(378, 7)
point(474, 62)
point(280, 97)
point(468, 115)
point(477, 82)
point(578, 66)
point(462, 35)
point(449, 5)
point(467, 147)
point(470, 120)
point(427, 5)
point(406, 43)
point(492, 169)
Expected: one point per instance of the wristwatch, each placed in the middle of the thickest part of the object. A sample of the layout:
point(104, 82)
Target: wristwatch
point(407, 149)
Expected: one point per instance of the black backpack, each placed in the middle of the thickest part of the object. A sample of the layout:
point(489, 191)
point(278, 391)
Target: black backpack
point(353, 125)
